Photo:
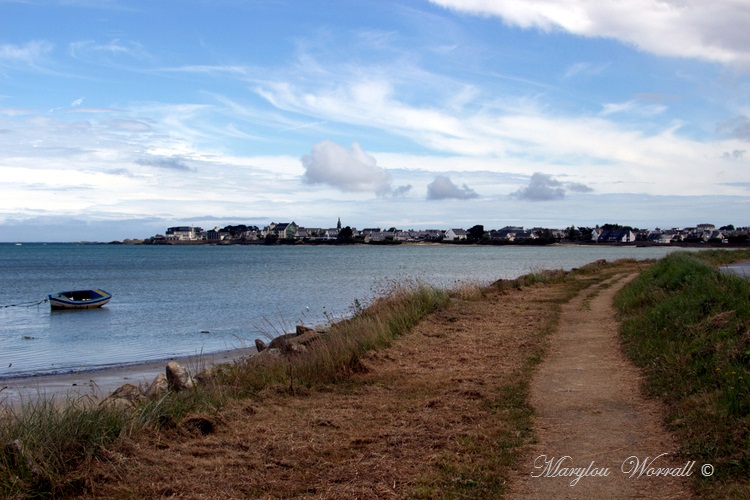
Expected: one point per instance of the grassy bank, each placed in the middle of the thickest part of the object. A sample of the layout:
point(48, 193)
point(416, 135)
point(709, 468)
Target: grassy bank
point(687, 326)
point(49, 444)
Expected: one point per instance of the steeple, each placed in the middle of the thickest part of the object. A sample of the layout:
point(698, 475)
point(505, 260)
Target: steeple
point(338, 226)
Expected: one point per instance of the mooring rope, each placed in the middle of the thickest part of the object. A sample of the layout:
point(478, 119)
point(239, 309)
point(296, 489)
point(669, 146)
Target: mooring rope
point(26, 304)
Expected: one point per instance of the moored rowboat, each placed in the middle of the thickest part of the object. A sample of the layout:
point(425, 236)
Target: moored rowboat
point(79, 299)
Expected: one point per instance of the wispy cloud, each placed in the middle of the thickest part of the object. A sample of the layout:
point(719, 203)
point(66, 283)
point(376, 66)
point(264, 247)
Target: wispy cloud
point(29, 54)
point(167, 163)
point(585, 69)
point(91, 51)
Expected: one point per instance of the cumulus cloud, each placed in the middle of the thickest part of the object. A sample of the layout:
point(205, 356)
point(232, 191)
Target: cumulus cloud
point(442, 188)
point(715, 31)
point(347, 169)
point(543, 187)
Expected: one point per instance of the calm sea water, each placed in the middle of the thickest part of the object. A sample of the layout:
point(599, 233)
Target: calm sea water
point(185, 300)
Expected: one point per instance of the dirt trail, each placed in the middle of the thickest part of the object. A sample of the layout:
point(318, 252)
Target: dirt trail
point(589, 408)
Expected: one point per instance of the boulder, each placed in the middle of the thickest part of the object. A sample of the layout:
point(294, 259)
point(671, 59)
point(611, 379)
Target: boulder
point(302, 329)
point(260, 345)
point(158, 387)
point(205, 376)
point(287, 342)
point(281, 341)
point(178, 378)
point(19, 456)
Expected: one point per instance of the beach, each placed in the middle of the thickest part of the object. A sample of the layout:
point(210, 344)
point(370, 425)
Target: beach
point(100, 383)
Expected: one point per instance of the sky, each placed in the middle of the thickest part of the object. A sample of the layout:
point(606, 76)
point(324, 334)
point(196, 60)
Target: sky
point(120, 118)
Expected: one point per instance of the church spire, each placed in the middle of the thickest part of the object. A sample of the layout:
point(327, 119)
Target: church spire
point(338, 226)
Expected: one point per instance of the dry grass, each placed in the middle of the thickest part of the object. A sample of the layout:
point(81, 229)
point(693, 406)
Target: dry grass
point(442, 412)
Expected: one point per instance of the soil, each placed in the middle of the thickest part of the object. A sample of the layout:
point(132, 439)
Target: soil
point(589, 409)
point(407, 418)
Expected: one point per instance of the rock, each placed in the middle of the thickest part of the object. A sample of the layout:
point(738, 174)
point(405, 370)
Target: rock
point(124, 397)
point(286, 342)
point(158, 387)
point(18, 456)
point(122, 404)
point(307, 338)
point(281, 341)
point(297, 348)
point(129, 392)
point(260, 345)
point(205, 376)
point(271, 352)
point(302, 329)
point(178, 378)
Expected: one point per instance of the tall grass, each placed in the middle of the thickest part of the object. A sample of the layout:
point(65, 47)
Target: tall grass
point(337, 354)
point(47, 441)
point(687, 325)
point(48, 444)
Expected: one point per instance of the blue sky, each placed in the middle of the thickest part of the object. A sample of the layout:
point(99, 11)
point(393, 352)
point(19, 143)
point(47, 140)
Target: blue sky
point(121, 118)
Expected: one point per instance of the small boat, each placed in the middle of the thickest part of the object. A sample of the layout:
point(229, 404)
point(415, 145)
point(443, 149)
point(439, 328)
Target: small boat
point(79, 299)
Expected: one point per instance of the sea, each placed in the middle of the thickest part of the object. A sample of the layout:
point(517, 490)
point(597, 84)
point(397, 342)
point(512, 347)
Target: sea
point(172, 301)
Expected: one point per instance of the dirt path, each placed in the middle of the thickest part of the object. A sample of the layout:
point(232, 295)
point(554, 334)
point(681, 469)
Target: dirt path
point(589, 409)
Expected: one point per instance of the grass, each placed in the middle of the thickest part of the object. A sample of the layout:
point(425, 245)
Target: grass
point(50, 443)
point(687, 326)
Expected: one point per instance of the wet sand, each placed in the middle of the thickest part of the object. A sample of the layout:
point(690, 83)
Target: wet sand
point(102, 382)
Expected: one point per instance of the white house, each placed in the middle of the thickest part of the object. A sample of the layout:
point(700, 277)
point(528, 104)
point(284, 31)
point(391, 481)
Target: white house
point(455, 234)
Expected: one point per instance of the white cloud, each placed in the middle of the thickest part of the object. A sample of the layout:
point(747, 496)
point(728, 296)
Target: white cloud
point(442, 188)
point(714, 31)
point(29, 54)
point(349, 169)
point(89, 50)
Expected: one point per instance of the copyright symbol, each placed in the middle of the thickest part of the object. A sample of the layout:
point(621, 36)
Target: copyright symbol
point(707, 470)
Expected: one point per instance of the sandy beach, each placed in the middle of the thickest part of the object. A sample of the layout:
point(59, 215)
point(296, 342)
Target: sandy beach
point(102, 382)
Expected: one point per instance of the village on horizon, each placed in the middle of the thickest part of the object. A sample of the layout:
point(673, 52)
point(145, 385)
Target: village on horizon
point(292, 233)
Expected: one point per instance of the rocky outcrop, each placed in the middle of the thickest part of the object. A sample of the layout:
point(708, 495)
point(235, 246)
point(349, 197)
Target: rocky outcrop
point(298, 341)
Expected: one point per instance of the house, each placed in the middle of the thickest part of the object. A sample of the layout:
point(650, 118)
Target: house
point(284, 230)
point(616, 236)
point(217, 234)
point(455, 234)
point(184, 233)
point(431, 235)
point(331, 234)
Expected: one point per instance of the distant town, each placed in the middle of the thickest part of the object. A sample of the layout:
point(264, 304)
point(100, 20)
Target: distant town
point(292, 233)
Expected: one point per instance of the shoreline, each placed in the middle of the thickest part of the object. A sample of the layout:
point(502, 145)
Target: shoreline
point(99, 383)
